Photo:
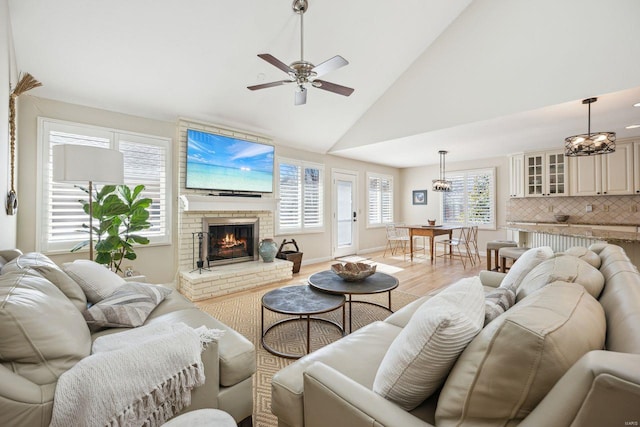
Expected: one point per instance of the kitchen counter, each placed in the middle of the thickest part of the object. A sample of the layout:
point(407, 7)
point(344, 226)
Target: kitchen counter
point(570, 230)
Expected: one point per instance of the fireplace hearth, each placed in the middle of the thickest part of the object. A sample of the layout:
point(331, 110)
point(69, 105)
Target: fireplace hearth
point(230, 240)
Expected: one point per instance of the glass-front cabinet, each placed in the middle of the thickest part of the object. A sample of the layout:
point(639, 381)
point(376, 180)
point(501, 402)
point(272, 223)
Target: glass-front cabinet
point(545, 174)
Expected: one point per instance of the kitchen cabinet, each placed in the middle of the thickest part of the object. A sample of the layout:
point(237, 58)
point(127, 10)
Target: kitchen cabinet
point(610, 174)
point(545, 174)
point(636, 167)
point(516, 175)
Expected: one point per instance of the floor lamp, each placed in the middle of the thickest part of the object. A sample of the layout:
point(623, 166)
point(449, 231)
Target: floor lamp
point(79, 164)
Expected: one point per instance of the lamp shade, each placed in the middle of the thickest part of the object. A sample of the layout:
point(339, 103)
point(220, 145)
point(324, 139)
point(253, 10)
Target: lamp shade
point(82, 163)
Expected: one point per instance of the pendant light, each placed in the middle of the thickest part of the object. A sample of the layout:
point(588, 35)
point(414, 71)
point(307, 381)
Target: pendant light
point(441, 184)
point(589, 143)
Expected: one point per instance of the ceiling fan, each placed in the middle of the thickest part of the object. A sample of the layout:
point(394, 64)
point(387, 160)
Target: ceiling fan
point(302, 72)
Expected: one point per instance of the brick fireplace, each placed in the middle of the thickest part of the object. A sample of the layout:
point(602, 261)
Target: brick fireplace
point(249, 220)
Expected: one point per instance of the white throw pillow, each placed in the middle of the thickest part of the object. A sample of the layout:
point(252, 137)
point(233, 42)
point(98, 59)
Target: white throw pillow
point(524, 265)
point(97, 281)
point(420, 358)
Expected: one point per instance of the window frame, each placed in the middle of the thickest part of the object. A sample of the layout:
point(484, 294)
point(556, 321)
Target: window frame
point(492, 194)
point(302, 229)
point(47, 125)
point(381, 177)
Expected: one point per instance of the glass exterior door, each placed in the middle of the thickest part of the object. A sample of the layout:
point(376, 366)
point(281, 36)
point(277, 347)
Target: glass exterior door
point(345, 217)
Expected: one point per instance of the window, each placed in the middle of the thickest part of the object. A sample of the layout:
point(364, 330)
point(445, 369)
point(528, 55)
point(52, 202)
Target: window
point(146, 161)
point(471, 200)
point(300, 189)
point(380, 199)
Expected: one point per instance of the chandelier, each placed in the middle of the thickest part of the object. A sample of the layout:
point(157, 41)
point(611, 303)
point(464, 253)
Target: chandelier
point(589, 143)
point(441, 184)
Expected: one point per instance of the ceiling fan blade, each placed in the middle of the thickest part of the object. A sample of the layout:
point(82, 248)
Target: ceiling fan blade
point(301, 96)
point(332, 87)
point(272, 84)
point(329, 65)
point(276, 62)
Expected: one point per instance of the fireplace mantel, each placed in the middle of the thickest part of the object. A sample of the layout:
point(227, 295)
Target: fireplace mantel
point(197, 203)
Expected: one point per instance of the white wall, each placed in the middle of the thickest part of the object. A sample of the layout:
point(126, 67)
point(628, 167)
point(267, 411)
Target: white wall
point(159, 263)
point(8, 224)
point(318, 246)
point(501, 57)
point(156, 262)
point(419, 178)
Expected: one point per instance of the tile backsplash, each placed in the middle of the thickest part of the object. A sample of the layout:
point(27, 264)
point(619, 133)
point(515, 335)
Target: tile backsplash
point(614, 210)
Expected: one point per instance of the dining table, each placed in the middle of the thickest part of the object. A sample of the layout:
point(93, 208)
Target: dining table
point(430, 231)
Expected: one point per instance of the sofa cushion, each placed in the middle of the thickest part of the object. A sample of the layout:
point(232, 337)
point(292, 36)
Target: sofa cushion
point(128, 306)
point(516, 359)
point(585, 255)
point(49, 270)
point(564, 268)
point(42, 334)
point(357, 356)
point(525, 263)
point(496, 302)
point(97, 281)
point(419, 359)
point(237, 354)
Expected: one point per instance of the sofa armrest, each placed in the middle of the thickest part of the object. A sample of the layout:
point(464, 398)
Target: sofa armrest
point(332, 399)
point(602, 388)
point(491, 278)
point(401, 317)
point(19, 389)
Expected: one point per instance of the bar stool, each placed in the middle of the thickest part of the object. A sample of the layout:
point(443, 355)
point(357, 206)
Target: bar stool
point(511, 253)
point(495, 245)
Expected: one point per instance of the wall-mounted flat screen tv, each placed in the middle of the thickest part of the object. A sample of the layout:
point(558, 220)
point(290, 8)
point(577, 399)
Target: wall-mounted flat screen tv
point(217, 162)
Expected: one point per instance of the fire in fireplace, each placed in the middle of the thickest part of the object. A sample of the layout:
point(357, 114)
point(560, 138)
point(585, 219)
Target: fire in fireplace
point(231, 240)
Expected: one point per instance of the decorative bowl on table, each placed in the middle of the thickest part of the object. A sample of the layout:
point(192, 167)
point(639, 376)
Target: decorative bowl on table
point(353, 271)
point(561, 217)
point(431, 221)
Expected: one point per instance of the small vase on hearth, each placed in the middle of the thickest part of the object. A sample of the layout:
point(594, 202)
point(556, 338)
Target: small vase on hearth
point(267, 250)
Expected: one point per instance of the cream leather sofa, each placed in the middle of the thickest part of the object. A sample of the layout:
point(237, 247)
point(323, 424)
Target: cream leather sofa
point(505, 376)
point(28, 374)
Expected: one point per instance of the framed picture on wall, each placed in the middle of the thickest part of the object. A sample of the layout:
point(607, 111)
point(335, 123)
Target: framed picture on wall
point(419, 197)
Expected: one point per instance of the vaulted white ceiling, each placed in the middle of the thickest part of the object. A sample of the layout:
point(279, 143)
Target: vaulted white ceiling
point(479, 78)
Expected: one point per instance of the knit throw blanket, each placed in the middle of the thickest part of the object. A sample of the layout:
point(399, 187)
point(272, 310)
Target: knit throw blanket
point(141, 377)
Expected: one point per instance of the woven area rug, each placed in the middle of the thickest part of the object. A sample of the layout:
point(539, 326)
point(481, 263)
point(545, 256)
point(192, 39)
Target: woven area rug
point(242, 313)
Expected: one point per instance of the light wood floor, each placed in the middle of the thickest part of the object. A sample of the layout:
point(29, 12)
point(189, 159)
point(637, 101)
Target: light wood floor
point(417, 278)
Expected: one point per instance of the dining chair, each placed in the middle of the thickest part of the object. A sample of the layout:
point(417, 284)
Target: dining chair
point(473, 243)
point(462, 243)
point(397, 237)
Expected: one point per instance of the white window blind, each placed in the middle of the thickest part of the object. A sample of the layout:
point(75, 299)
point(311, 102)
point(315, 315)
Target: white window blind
point(301, 193)
point(380, 199)
point(146, 161)
point(471, 200)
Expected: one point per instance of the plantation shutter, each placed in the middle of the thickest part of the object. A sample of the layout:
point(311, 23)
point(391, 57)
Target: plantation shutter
point(65, 215)
point(454, 201)
point(290, 196)
point(380, 200)
point(471, 200)
point(480, 198)
point(301, 193)
point(312, 198)
point(146, 161)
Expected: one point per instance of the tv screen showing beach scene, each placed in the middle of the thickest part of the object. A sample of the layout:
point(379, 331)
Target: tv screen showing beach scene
point(216, 162)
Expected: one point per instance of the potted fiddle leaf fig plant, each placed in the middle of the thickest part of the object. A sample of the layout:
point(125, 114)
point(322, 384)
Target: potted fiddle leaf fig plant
point(120, 213)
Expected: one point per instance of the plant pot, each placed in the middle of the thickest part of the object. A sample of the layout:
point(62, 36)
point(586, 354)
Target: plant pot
point(267, 250)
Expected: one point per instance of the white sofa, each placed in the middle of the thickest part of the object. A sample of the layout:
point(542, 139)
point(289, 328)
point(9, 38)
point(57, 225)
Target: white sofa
point(534, 365)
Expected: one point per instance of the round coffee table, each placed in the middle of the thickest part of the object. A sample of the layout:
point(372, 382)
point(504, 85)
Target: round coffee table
point(330, 282)
point(300, 301)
